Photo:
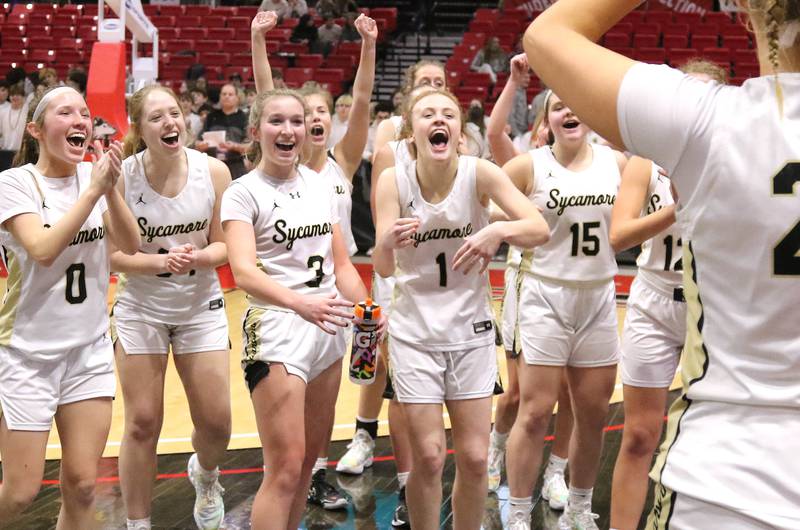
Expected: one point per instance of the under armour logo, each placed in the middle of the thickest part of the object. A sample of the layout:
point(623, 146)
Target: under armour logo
point(141, 199)
point(294, 195)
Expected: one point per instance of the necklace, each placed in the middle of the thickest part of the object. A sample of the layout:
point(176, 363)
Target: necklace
point(12, 127)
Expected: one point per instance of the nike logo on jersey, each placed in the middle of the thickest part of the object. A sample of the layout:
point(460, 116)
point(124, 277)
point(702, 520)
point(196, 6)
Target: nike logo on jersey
point(550, 175)
point(44, 205)
point(410, 205)
point(275, 205)
point(141, 199)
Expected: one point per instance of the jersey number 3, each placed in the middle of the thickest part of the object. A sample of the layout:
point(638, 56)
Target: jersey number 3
point(785, 261)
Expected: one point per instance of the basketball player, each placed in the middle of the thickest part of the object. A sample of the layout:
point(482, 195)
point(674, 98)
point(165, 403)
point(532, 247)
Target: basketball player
point(287, 252)
point(729, 153)
point(56, 359)
point(568, 309)
point(442, 346)
point(554, 489)
point(655, 320)
point(337, 165)
point(169, 298)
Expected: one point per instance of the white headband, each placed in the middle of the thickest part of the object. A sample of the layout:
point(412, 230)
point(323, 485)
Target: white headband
point(546, 99)
point(47, 97)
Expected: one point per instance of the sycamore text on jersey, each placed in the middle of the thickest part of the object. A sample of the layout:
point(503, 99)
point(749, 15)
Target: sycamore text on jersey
point(87, 235)
point(152, 232)
point(562, 203)
point(442, 233)
point(301, 232)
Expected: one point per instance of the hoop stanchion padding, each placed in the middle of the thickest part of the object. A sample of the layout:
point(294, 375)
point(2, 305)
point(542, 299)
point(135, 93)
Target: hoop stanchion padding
point(105, 90)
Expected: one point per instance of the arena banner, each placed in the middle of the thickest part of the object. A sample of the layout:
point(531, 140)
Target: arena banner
point(679, 6)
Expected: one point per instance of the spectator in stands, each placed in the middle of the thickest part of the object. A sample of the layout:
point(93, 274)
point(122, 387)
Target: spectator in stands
point(277, 78)
point(522, 114)
point(233, 121)
point(236, 80)
point(340, 118)
point(349, 31)
point(199, 98)
point(201, 82)
point(346, 6)
point(490, 59)
point(329, 35)
point(305, 32)
point(76, 78)
point(382, 111)
point(3, 93)
point(327, 8)
point(475, 130)
point(250, 97)
point(48, 77)
point(279, 7)
point(297, 8)
point(397, 102)
point(12, 121)
point(194, 123)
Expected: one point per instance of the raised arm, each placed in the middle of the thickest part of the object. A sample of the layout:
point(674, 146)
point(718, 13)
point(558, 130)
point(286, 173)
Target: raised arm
point(500, 144)
point(263, 22)
point(384, 159)
point(628, 227)
point(350, 148)
point(561, 49)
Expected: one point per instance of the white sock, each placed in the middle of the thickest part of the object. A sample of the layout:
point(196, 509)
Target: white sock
point(498, 439)
point(139, 524)
point(206, 475)
point(555, 464)
point(402, 478)
point(322, 463)
point(580, 498)
point(520, 505)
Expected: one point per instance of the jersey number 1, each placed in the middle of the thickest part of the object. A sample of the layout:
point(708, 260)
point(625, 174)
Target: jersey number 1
point(441, 260)
point(785, 261)
point(76, 281)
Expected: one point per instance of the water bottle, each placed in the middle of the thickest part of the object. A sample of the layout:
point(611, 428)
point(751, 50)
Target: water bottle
point(365, 343)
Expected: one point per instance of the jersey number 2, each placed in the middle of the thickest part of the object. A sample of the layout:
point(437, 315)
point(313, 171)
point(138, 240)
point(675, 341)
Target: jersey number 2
point(76, 281)
point(785, 261)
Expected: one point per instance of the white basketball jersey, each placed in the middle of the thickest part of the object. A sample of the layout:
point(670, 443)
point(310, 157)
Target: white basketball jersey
point(47, 310)
point(397, 121)
point(293, 224)
point(433, 305)
point(343, 189)
point(577, 207)
point(403, 160)
point(660, 261)
point(166, 222)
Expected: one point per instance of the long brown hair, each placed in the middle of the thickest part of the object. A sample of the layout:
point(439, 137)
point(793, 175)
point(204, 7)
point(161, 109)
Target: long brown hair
point(133, 142)
point(257, 110)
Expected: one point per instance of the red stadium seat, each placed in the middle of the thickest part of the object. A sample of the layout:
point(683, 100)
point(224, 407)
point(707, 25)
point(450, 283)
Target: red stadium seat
point(676, 41)
point(659, 17)
point(309, 61)
point(650, 55)
point(704, 41)
point(14, 42)
point(735, 42)
point(677, 29)
point(679, 56)
point(747, 70)
point(345, 62)
point(214, 21)
point(214, 59)
point(485, 13)
point(481, 26)
point(181, 60)
point(706, 29)
point(473, 79)
point(474, 38)
point(42, 55)
point(349, 48)
point(194, 33)
point(243, 71)
point(721, 56)
point(40, 19)
point(198, 10)
point(296, 48)
point(245, 59)
point(62, 31)
point(178, 45)
point(163, 21)
point(14, 30)
point(290, 23)
point(648, 27)
point(616, 40)
point(189, 21)
point(718, 17)
point(172, 10)
point(622, 27)
point(295, 77)
point(634, 17)
point(69, 43)
point(168, 33)
point(279, 34)
point(329, 75)
point(242, 23)
point(645, 40)
point(249, 12)
point(208, 45)
point(745, 56)
point(224, 34)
